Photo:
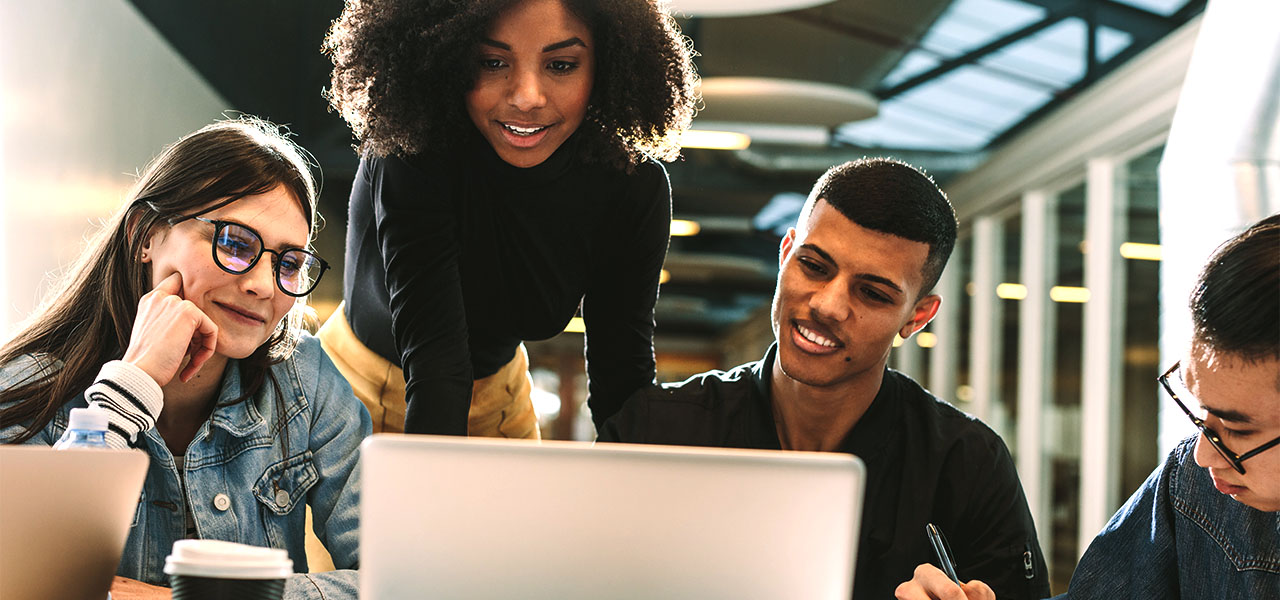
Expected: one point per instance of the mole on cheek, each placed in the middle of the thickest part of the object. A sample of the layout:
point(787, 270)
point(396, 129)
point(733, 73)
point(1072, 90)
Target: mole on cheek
point(847, 359)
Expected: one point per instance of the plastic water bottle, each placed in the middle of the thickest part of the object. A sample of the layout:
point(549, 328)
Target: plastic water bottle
point(87, 428)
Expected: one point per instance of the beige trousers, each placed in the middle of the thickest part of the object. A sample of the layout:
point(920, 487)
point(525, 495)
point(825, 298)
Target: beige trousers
point(501, 404)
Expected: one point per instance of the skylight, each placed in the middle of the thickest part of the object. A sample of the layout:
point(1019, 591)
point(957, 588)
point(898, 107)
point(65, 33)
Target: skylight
point(985, 66)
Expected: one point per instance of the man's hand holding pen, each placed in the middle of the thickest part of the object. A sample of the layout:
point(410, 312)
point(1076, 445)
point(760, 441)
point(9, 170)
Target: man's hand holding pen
point(931, 583)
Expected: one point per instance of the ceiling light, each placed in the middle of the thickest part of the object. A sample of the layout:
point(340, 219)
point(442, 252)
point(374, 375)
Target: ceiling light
point(1136, 251)
point(681, 227)
point(774, 133)
point(738, 8)
point(897, 340)
point(1011, 291)
point(714, 140)
point(664, 276)
point(576, 325)
point(1062, 293)
point(925, 339)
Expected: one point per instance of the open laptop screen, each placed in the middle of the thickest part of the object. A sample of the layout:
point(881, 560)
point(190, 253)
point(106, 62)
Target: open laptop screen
point(471, 518)
point(64, 519)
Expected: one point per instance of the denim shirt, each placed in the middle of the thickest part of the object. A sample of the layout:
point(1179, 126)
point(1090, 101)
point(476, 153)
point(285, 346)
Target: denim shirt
point(241, 486)
point(1179, 537)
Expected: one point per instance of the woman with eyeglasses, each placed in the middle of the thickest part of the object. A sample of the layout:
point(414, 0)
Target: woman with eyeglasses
point(183, 320)
point(509, 178)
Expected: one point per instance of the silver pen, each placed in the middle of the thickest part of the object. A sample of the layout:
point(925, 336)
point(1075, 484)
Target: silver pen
point(944, 554)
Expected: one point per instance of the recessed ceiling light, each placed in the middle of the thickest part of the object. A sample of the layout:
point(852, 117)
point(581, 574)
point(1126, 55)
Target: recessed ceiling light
point(714, 140)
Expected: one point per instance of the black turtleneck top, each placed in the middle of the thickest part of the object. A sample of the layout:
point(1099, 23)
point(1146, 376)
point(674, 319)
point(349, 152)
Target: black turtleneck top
point(452, 261)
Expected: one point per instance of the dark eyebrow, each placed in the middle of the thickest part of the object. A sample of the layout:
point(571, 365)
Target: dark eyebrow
point(1228, 415)
point(573, 41)
point(287, 246)
point(880, 280)
point(866, 276)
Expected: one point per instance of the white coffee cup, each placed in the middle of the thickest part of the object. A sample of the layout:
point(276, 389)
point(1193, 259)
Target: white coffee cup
point(216, 570)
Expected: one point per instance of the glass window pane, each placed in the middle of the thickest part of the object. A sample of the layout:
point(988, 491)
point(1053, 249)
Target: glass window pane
point(1006, 406)
point(960, 261)
point(1140, 452)
point(1063, 416)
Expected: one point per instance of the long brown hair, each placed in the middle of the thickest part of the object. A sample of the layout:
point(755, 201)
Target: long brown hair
point(87, 318)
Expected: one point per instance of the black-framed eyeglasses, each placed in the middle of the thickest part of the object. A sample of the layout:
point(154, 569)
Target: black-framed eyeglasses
point(1209, 434)
point(237, 248)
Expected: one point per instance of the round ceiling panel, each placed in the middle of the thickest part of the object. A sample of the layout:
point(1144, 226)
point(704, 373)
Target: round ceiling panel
point(738, 8)
point(783, 101)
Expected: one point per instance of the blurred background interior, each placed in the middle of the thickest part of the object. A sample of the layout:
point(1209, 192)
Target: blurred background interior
point(1095, 151)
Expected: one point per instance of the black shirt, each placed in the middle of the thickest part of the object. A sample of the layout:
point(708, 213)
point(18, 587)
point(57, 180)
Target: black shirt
point(453, 261)
point(926, 461)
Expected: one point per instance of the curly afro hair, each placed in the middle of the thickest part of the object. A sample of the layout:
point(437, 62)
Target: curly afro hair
point(401, 69)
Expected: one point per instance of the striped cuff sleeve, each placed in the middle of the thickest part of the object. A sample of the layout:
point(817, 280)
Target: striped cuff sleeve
point(131, 398)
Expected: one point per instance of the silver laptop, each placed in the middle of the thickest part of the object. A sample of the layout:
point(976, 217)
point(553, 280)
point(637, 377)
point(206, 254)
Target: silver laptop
point(64, 519)
point(445, 517)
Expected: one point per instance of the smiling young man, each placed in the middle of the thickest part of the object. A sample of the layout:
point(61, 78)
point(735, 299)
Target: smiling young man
point(858, 269)
point(1206, 523)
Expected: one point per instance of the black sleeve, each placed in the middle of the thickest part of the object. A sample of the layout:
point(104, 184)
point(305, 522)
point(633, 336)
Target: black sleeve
point(618, 305)
point(997, 541)
point(628, 425)
point(417, 230)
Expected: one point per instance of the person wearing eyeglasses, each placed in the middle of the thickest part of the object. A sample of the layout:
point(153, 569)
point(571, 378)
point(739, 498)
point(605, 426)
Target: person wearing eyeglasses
point(1206, 523)
point(183, 320)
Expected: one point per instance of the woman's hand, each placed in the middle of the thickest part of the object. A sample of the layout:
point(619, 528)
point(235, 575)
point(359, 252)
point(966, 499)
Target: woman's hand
point(123, 588)
point(167, 330)
point(929, 583)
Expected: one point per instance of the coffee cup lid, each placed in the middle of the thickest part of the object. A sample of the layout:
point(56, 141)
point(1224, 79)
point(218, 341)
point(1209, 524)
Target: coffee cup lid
point(227, 560)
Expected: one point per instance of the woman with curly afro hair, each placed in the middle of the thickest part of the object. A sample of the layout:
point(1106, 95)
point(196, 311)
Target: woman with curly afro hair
point(509, 178)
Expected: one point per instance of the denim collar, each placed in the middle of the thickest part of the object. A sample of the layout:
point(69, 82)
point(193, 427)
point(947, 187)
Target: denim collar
point(245, 418)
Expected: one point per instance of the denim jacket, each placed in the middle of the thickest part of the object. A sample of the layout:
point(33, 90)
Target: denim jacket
point(241, 486)
point(1179, 537)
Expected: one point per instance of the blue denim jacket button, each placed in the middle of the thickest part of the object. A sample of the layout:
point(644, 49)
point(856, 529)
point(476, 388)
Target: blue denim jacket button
point(221, 502)
point(282, 498)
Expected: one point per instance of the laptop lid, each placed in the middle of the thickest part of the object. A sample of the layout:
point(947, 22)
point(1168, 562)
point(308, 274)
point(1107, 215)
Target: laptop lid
point(482, 518)
point(64, 519)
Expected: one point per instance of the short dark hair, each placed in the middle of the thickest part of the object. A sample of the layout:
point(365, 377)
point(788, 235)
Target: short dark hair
point(401, 69)
point(1235, 306)
point(893, 197)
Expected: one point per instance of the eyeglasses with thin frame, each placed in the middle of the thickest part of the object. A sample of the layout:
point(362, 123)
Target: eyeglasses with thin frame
point(1209, 434)
point(237, 248)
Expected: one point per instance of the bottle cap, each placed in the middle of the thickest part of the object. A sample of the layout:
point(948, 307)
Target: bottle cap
point(93, 418)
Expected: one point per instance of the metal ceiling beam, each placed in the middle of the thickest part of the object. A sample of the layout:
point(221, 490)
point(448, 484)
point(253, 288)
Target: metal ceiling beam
point(1115, 15)
point(817, 18)
point(974, 55)
point(1193, 8)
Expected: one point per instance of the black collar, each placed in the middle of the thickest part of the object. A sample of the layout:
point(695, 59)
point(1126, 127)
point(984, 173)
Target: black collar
point(870, 435)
